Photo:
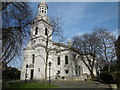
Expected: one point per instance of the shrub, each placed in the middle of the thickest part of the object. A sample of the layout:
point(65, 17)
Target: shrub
point(10, 73)
point(116, 76)
point(107, 77)
point(110, 77)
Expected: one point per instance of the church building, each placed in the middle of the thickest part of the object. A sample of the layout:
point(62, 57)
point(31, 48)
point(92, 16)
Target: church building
point(63, 61)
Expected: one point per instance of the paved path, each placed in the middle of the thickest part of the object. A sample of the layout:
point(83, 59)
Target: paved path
point(80, 84)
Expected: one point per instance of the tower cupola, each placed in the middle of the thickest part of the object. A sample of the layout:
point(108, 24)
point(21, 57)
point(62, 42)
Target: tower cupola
point(42, 8)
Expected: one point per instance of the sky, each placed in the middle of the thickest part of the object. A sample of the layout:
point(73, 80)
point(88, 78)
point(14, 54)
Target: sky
point(81, 17)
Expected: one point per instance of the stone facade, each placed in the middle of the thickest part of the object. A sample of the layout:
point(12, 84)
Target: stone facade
point(66, 62)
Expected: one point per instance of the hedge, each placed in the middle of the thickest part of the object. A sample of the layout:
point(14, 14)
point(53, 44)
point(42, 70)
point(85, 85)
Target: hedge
point(110, 77)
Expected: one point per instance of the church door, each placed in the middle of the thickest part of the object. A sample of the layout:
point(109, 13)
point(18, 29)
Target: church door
point(32, 71)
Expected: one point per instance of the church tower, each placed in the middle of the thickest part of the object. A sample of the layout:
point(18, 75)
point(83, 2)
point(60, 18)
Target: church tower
point(34, 53)
point(41, 30)
point(41, 27)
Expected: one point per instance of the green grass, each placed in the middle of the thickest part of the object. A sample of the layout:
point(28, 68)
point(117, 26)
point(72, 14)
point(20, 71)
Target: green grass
point(30, 85)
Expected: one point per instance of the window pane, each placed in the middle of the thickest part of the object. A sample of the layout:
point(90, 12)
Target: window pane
point(42, 11)
point(33, 58)
point(46, 31)
point(36, 30)
point(38, 69)
point(66, 71)
point(76, 69)
point(58, 60)
point(66, 59)
point(58, 72)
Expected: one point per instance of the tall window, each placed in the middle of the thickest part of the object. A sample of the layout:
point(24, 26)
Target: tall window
point(79, 69)
point(42, 11)
point(46, 31)
point(58, 60)
point(76, 69)
point(38, 69)
point(33, 58)
point(36, 30)
point(66, 59)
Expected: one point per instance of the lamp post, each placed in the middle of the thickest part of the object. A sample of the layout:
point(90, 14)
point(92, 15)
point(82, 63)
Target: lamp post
point(49, 70)
point(26, 73)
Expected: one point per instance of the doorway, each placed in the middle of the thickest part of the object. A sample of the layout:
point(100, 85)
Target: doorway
point(32, 71)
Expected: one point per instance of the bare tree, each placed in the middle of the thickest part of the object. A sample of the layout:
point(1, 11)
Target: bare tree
point(117, 45)
point(16, 19)
point(88, 46)
point(97, 46)
point(56, 32)
point(107, 41)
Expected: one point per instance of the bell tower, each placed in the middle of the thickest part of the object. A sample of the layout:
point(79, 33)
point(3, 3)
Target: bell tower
point(41, 27)
point(41, 30)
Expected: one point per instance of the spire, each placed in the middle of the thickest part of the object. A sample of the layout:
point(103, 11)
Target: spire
point(42, 8)
point(43, 0)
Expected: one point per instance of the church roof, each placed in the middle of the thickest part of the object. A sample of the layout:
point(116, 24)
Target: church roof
point(69, 47)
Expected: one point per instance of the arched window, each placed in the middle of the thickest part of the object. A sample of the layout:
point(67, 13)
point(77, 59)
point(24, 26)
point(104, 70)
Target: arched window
point(46, 31)
point(79, 69)
point(33, 58)
point(66, 59)
point(58, 60)
point(36, 30)
point(76, 70)
point(42, 11)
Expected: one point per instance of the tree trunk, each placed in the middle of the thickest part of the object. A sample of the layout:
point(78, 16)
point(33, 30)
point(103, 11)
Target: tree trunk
point(91, 73)
point(108, 67)
point(46, 69)
point(46, 50)
point(45, 76)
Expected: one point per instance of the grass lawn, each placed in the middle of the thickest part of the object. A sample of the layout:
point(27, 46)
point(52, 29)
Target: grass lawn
point(30, 85)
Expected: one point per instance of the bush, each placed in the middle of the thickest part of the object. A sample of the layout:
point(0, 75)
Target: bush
point(110, 77)
point(10, 73)
point(107, 77)
point(116, 76)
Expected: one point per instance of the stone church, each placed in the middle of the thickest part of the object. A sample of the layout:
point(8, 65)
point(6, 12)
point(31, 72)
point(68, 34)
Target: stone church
point(65, 61)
